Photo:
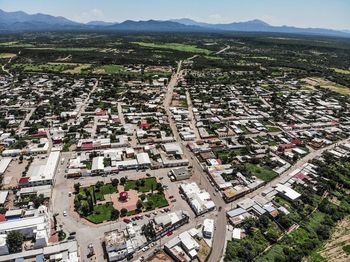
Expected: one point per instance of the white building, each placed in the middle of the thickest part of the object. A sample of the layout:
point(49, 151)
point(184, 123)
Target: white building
point(208, 228)
point(37, 227)
point(4, 164)
point(199, 200)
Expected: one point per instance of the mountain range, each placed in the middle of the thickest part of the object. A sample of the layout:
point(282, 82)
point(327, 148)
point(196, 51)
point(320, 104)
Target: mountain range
point(12, 22)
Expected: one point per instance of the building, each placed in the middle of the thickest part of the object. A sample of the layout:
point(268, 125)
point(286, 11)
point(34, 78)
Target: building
point(4, 164)
point(63, 251)
point(208, 228)
point(179, 174)
point(97, 165)
point(42, 174)
point(199, 200)
point(143, 160)
point(34, 227)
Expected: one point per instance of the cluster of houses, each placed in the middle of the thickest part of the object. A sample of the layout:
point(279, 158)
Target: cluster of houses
point(121, 244)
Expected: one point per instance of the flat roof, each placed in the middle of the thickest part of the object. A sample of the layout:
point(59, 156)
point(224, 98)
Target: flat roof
point(4, 163)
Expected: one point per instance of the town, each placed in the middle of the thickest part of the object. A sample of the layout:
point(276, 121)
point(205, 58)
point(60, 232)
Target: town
point(170, 152)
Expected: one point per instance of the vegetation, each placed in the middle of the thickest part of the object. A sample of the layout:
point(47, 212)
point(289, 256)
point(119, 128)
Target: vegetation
point(144, 185)
point(14, 241)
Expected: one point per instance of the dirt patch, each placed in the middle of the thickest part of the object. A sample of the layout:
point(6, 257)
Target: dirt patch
point(333, 249)
point(14, 173)
point(312, 82)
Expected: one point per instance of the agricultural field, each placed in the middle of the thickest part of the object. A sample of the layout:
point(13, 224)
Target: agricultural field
point(6, 55)
point(175, 46)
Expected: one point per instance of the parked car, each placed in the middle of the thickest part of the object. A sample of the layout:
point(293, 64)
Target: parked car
point(169, 233)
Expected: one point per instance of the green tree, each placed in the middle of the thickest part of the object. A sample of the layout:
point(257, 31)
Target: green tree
point(115, 214)
point(14, 241)
point(123, 212)
point(77, 187)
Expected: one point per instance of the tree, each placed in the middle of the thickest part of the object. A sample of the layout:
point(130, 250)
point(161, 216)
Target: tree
point(115, 214)
point(139, 205)
point(77, 187)
point(115, 182)
point(142, 197)
point(123, 212)
point(122, 180)
point(14, 241)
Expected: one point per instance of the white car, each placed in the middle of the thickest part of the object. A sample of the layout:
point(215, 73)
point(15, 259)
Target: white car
point(65, 213)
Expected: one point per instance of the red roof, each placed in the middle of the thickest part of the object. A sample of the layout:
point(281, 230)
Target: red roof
point(115, 120)
point(300, 176)
point(297, 141)
point(24, 180)
point(101, 113)
point(143, 125)
point(289, 145)
point(87, 146)
point(123, 194)
point(2, 218)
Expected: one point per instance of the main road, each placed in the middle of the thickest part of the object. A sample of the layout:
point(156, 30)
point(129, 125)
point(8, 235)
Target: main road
point(199, 175)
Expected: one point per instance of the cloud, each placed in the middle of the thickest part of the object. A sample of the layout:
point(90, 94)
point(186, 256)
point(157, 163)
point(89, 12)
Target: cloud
point(90, 15)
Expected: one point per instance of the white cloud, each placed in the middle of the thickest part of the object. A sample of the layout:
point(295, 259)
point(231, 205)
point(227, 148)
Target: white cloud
point(90, 15)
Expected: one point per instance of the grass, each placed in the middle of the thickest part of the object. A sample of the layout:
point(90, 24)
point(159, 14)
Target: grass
point(272, 129)
point(323, 83)
point(346, 249)
point(106, 189)
point(110, 69)
point(150, 183)
point(341, 71)
point(261, 172)
point(69, 68)
point(158, 200)
point(101, 213)
point(176, 47)
point(66, 49)
point(6, 55)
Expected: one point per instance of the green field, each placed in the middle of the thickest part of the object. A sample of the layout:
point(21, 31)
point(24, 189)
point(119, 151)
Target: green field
point(176, 47)
point(157, 200)
point(6, 55)
point(101, 213)
point(150, 183)
point(261, 172)
point(110, 69)
point(341, 71)
point(52, 67)
point(66, 49)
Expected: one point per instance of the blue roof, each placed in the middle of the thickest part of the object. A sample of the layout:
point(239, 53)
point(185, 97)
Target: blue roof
point(236, 212)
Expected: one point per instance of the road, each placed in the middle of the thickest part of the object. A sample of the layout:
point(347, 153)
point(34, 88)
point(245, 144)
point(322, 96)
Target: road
point(223, 50)
point(26, 119)
point(198, 175)
point(84, 104)
point(191, 115)
point(8, 62)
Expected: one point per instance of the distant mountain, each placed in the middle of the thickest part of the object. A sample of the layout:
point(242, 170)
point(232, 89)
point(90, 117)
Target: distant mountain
point(261, 26)
point(154, 25)
point(22, 22)
point(100, 23)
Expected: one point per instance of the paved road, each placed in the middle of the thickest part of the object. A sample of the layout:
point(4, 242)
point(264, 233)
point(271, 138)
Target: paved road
point(83, 106)
point(191, 115)
point(199, 176)
point(223, 50)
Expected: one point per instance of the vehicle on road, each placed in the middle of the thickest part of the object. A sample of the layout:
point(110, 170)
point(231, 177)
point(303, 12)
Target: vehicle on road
point(169, 233)
point(65, 213)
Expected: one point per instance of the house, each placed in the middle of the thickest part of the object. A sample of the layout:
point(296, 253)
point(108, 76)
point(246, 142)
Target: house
point(179, 174)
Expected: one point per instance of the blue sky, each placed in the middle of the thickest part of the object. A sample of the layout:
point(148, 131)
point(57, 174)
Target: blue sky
point(302, 13)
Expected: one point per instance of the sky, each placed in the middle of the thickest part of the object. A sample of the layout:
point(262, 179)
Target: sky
point(334, 14)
